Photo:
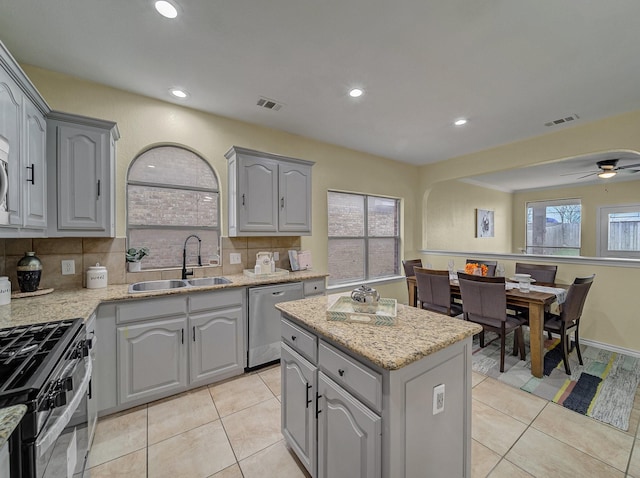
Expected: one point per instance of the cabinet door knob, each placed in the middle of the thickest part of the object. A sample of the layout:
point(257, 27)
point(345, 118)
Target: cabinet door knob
point(341, 372)
point(293, 337)
point(243, 199)
point(32, 179)
point(282, 202)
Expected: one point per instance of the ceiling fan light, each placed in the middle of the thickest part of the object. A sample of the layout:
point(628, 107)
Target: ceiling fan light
point(607, 174)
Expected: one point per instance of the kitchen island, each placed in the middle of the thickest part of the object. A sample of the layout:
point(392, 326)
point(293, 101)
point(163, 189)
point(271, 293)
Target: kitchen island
point(376, 401)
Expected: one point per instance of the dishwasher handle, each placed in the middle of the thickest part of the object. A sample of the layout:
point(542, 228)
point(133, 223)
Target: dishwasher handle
point(277, 294)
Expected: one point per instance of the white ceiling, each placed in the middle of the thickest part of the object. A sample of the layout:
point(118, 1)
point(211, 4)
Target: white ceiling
point(510, 66)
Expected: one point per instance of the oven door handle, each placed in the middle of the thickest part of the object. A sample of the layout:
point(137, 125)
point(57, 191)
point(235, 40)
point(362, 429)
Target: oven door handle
point(49, 436)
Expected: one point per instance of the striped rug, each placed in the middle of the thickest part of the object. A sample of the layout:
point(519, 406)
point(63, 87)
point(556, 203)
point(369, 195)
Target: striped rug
point(604, 387)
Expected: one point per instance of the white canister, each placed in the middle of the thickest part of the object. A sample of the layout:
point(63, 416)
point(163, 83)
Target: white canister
point(96, 277)
point(5, 290)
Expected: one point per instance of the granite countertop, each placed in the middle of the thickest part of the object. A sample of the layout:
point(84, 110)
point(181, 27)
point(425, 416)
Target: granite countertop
point(73, 303)
point(9, 419)
point(416, 334)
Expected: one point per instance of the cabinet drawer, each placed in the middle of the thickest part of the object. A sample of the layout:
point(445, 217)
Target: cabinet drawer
point(352, 375)
point(314, 287)
point(150, 309)
point(302, 341)
point(215, 300)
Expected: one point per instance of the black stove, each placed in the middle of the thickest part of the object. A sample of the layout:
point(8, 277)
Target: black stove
point(45, 367)
point(28, 354)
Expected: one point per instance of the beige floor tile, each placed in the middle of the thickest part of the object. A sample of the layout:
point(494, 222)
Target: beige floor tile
point(634, 418)
point(482, 460)
point(277, 460)
point(177, 414)
point(634, 463)
point(240, 393)
point(477, 378)
point(601, 441)
point(494, 429)
point(517, 404)
point(254, 428)
point(271, 377)
point(133, 465)
point(200, 452)
point(232, 472)
point(506, 469)
point(118, 435)
point(542, 455)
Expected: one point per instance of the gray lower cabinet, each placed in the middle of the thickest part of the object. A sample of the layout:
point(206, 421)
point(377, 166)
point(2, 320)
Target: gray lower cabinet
point(152, 359)
point(155, 347)
point(349, 434)
point(4, 459)
point(216, 345)
point(299, 386)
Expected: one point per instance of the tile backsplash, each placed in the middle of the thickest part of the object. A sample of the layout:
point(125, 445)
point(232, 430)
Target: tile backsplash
point(109, 252)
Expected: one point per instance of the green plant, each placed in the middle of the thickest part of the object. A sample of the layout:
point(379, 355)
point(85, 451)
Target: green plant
point(134, 254)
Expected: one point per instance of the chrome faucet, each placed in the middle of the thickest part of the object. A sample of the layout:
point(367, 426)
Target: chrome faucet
point(184, 256)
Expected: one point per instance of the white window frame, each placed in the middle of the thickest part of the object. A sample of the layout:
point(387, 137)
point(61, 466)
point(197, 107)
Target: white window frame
point(603, 231)
point(367, 237)
point(552, 203)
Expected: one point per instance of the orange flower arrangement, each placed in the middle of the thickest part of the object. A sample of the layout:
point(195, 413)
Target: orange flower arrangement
point(473, 266)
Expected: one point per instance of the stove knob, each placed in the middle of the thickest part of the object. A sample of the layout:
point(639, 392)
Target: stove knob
point(60, 399)
point(65, 384)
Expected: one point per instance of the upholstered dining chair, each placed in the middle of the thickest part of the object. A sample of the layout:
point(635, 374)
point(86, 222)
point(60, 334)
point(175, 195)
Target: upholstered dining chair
point(544, 274)
point(569, 318)
point(434, 291)
point(409, 265)
point(491, 266)
point(484, 301)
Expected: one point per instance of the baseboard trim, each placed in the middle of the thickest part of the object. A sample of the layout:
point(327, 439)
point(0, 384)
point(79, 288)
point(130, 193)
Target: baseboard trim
point(610, 348)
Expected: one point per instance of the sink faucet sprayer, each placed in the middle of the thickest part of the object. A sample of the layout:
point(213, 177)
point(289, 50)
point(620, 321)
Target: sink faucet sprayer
point(184, 256)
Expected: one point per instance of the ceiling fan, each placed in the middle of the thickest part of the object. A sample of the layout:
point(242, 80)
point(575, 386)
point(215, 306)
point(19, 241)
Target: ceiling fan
point(608, 168)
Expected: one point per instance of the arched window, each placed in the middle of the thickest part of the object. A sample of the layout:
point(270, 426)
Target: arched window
point(172, 193)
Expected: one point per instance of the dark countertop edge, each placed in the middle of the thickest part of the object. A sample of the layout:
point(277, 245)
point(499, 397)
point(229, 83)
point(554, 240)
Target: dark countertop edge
point(9, 419)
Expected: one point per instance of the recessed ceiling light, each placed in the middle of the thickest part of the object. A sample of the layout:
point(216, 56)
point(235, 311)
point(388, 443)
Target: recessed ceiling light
point(166, 9)
point(178, 93)
point(355, 92)
point(460, 122)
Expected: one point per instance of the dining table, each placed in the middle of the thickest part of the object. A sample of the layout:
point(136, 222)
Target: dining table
point(535, 301)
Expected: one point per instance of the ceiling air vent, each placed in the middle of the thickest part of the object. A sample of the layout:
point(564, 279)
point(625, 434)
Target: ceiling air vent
point(566, 119)
point(269, 104)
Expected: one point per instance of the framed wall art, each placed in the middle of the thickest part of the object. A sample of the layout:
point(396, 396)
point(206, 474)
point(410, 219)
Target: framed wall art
point(484, 223)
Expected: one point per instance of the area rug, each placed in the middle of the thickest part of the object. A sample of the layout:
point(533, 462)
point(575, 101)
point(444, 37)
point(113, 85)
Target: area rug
point(603, 388)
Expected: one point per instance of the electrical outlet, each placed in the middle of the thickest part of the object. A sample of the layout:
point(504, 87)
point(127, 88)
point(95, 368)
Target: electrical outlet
point(235, 258)
point(438, 399)
point(68, 267)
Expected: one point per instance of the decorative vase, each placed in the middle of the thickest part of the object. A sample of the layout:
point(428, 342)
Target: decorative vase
point(29, 271)
point(135, 266)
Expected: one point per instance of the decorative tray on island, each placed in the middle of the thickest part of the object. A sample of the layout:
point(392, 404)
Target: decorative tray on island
point(343, 310)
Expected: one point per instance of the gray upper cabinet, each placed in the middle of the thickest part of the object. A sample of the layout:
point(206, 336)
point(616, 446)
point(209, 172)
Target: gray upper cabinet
point(81, 158)
point(22, 123)
point(269, 195)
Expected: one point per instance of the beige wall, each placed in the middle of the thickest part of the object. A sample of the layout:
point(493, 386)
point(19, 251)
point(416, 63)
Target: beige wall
point(450, 216)
point(143, 121)
point(610, 315)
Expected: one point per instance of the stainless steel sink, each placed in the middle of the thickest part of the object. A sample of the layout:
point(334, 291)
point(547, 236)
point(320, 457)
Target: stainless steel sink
point(205, 281)
point(150, 285)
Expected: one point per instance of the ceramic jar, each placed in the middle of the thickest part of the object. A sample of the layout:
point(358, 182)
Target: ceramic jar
point(97, 277)
point(5, 290)
point(29, 271)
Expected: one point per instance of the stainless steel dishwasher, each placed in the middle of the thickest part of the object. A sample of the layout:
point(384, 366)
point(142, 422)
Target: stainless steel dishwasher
point(264, 320)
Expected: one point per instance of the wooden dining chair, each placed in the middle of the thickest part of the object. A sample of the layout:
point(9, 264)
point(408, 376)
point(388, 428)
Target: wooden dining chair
point(484, 301)
point(434, 291)
point(569, 318)
point(544, 274)
point(491, 266)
